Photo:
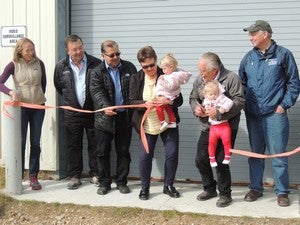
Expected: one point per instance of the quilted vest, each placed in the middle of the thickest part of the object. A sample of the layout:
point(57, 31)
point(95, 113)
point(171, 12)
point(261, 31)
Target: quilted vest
point(27, 78)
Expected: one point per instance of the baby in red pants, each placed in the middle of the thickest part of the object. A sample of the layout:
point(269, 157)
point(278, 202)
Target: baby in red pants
point(214, 96)
point(168, 85)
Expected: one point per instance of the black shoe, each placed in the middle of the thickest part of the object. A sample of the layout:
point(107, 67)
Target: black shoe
point(171, 191)
point(74, 183)
point(205, 195)
point(103, 190)
point(224, 201)
point(124, 189)
point(144, 193)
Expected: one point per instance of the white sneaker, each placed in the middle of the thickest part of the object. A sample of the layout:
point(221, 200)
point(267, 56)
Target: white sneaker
point(95, 181)
point(213, 164)
point(226, 160)
point(212, 161)
point(172, 125)
point(164, 125)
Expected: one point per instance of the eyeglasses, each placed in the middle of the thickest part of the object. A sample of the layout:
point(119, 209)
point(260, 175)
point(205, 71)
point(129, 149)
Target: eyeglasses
point(148, 66)
point(117, 54)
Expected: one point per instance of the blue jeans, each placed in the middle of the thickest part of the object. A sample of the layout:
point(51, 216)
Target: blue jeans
point(269, 132)
point(170, 139)
point(35, 118)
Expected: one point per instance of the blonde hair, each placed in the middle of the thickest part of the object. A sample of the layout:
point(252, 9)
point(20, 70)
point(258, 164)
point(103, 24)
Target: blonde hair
point(210, 87)
point(169, 60)
point(19, 48)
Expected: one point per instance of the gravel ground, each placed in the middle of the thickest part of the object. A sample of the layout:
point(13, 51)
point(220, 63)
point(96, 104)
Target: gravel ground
point(14, 212)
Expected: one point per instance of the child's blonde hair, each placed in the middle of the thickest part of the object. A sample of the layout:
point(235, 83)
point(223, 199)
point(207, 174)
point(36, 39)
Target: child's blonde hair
point(210, 87)
point(169, 60)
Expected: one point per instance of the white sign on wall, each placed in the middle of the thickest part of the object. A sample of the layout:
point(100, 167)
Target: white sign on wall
point(11, 34)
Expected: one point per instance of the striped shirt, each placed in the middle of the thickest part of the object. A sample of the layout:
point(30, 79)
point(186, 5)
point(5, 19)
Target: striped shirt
point(152, 123)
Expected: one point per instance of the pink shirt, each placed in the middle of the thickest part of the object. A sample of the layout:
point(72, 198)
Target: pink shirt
point(169, 85)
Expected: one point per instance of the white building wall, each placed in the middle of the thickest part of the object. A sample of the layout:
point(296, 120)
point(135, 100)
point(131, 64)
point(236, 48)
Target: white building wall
point(188, 29)
point(39, 17)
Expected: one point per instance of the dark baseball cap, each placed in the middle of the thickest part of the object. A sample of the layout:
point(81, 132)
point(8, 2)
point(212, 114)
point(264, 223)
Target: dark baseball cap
point(259, 25)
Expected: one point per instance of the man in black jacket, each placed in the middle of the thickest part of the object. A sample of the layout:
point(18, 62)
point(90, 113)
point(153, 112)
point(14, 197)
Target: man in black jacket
point(71, 80)
point(110, 87)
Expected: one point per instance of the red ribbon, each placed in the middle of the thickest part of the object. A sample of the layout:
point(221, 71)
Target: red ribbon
point(36, 106)
point(262, 156)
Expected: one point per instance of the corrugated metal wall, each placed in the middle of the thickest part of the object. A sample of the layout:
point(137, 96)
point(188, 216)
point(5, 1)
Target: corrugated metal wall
point(188, 29)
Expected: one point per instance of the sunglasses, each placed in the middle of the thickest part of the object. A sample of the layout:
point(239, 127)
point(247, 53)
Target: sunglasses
point(148, 66)
point(113, 54)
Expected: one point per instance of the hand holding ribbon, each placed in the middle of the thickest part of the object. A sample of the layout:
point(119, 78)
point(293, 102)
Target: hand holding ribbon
point(109, 109)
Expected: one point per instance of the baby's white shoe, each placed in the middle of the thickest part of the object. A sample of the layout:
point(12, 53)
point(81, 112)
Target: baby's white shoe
point(172, 125)
point(164, 125)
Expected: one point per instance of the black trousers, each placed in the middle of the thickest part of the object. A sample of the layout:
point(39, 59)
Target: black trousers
point(122, 139)
point(222, 170)
point(75, 127)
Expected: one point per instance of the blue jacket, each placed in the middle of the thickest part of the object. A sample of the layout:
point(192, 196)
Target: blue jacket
point(269, 79)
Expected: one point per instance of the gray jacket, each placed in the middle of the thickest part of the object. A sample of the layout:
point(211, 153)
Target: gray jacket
point(233, 90)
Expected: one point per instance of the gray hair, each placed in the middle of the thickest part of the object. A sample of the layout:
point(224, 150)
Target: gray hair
point(212, 59)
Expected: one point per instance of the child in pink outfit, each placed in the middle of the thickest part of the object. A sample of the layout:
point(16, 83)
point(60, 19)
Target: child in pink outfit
point(214, 96)
point(168, 85)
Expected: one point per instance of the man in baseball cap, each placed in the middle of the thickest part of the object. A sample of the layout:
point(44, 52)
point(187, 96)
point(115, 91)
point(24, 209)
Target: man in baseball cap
point(271, 82)
point(259, 25)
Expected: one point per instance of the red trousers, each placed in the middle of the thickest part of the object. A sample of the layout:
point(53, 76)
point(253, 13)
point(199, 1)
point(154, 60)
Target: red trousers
point(219, 131)
point(160, 113)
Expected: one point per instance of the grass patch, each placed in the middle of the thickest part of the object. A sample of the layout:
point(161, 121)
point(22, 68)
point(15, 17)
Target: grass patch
point(169, 214)
point(4, 200)
point(128, 212)
point(198, 215)
point(2, 177)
